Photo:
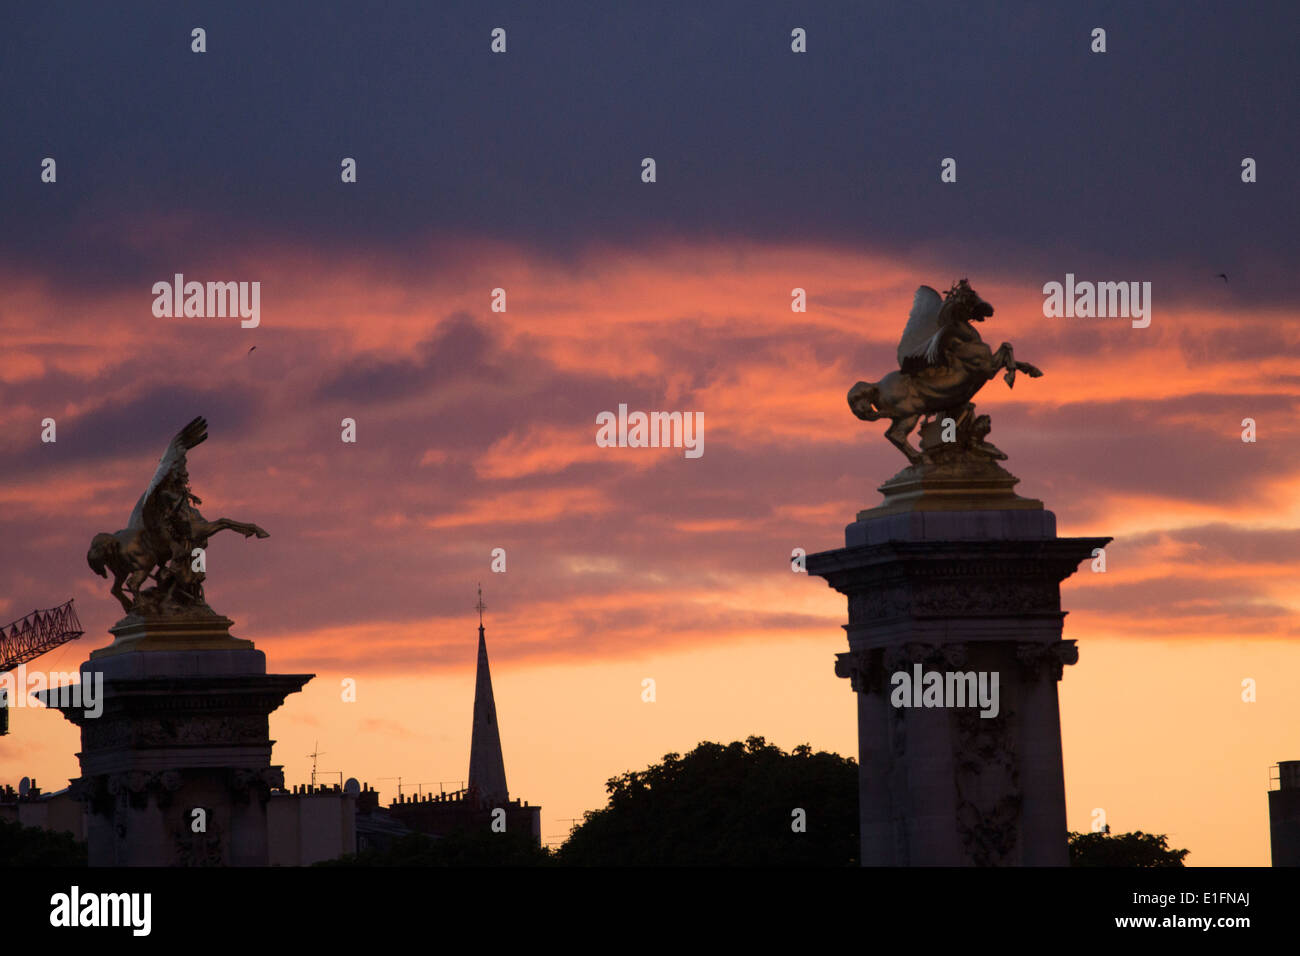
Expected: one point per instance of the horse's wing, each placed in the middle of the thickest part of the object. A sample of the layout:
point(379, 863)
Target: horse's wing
point(936, 349)
point(137, 515)
point(195, 433)
point(923, 327)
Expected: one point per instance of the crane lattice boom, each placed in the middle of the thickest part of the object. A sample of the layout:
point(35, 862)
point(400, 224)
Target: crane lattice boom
point(31, 636)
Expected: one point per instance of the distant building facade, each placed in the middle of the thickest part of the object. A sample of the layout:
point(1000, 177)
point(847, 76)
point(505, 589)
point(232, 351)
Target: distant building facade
point(306, 825)
point(1284, 815)
point(59, 812)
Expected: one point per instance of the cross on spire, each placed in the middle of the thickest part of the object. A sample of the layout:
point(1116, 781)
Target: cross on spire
point(480, 606)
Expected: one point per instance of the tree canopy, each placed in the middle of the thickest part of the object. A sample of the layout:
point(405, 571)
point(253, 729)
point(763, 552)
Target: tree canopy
point(35, 846)
point(734, 804)
point(1123, 849)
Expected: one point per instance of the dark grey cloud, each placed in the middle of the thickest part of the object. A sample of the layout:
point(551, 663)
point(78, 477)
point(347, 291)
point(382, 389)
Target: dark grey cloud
point(130, 424)
point(1220, 544)
point(456, 351)
point(1119, 165)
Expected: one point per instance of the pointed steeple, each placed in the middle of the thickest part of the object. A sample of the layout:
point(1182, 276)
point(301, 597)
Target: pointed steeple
point(487, 768)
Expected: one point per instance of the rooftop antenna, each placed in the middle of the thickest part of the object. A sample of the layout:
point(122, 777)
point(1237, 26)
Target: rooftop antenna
point(313, 755)
point(399, 784)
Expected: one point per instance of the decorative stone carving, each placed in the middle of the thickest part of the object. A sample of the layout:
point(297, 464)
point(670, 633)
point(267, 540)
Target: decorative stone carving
point(257, 784)
point(896, 782)
point(142, 732)
point(199, 849)
point(134, 787)
point(864, 669)
point(998, 596)
point(1040, 660)
point(955, 589)
point(987, 780)
point(932, 656)
point(878, 603)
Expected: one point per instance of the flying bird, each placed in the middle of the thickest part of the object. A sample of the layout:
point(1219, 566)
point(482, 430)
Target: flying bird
point(250, 351)
point(1223, 276)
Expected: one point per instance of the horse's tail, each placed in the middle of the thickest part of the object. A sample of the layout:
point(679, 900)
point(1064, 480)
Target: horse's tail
point(864, 400)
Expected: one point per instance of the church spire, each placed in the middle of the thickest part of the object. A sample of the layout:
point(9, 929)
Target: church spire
point(487, 768)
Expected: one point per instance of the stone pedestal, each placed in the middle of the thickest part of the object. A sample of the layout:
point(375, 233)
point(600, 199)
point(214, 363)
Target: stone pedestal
point(184, 726)
point(958, 580)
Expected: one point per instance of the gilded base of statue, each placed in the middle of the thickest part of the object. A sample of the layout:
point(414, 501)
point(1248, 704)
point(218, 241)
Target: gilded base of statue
point(984, 487)
point(956, 473)
point(196, 633)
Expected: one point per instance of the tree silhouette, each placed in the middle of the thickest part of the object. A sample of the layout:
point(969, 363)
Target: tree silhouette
point(726, 805)
point(35, 846)
point(1124, 849)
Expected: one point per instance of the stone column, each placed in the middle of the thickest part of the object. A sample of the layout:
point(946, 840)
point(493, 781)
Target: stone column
point(958, 576)
point(184, 726)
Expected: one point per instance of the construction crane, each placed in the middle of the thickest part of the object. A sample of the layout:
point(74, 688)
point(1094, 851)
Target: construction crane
point(29, 637)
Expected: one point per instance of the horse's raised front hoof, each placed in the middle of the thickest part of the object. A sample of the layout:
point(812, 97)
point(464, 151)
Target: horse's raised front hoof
point(1033, 371)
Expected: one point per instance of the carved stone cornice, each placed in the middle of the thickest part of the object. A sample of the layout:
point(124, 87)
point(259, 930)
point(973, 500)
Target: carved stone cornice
point(1040, 660)
point(926, 579)
point(952, 578)
point(257, 784)
point(863, 670)
point(187, 697)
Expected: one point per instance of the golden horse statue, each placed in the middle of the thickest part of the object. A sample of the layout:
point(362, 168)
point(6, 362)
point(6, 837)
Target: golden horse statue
point(942, 362)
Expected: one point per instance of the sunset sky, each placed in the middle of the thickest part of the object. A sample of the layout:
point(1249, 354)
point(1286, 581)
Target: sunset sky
point(476, 429)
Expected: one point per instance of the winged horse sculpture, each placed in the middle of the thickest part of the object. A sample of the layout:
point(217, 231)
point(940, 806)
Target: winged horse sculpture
point(942, 364)
point(160, 536)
